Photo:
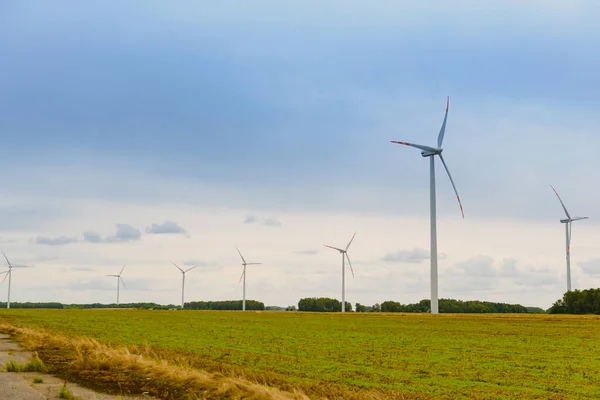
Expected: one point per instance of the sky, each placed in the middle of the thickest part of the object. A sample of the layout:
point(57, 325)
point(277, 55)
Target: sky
point(145, 134)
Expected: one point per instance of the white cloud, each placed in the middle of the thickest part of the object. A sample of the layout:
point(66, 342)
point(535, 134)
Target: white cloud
point(253, 219)
point(55, 241)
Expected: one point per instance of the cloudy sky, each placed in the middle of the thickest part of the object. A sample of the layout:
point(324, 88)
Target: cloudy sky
point(144, 134)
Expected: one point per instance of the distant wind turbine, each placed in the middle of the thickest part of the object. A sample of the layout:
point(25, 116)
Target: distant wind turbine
point(183, 281)
point(567, 221)
point(344, 253)
point(432, 152)
point(119, 280)
point(244, 263)
point(8, 274)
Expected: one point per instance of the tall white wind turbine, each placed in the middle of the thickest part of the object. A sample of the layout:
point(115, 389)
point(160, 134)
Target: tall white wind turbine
point(119, 281)
point(183, 281)
point(244, 264)
point(567, 221)
point(8, 274)
point(431, 152)
point(344, 253)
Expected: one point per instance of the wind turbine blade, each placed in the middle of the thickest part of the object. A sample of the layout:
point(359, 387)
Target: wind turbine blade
point(561, 202)
point(453, 185)
point(189, 269)
point(5, 276)
point(243, 272)
point(122, 270)
point(113, 275)
point(177, 266)
point(572, 219)
point(253, 263)
point(6, 258)
point(350, 264)
point(123, 282)
point(241, 255)
point(350, 242)
point(335, 248)
point(417, 146)
point(443, 129)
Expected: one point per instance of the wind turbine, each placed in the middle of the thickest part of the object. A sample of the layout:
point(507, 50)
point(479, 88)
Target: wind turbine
point(183, 280)
point(567, 223)
point(244, 263)
point(119, 280)
point(344, 253)
point(431, 152)
point(8, 274)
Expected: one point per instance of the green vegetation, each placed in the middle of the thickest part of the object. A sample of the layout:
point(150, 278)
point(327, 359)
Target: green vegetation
point(460, 356)
point(578, 302)
point(322, 304)
point(37, 379)
point(33, 365)
point(232, 305)
point(65, 393)
point(452, 306)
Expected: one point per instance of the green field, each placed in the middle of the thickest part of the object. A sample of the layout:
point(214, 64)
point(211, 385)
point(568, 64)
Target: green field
point(444, 356)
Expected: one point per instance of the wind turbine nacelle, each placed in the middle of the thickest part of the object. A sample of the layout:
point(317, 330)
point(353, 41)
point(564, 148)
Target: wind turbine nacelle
point(431, 153)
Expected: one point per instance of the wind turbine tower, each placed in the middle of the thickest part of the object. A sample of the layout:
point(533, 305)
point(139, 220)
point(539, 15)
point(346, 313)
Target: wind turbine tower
point(431, 152)
point(567, 221)
point(244, 264)
point(8, 274)
point(344, 253)
point(183, 272)
point(119, 281)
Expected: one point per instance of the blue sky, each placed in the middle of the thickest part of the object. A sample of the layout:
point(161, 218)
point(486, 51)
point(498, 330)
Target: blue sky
point(282, 108)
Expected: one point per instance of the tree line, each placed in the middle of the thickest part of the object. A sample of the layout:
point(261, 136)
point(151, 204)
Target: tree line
point(326, 304)
point(578, 302)
point(224, 305)
point(322, 304)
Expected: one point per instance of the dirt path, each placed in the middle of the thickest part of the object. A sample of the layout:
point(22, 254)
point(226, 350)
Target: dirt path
point(20, 386)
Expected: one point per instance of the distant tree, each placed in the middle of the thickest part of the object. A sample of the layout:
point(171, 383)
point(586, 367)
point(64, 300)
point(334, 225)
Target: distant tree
point(360, 308)
point(535, 310)
point(578, 302)
point(224, 305)
point(451, 306)
point(322, 304)
point(291, 308)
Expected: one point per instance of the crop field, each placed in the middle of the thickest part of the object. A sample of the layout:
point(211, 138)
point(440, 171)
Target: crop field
point(404, 355)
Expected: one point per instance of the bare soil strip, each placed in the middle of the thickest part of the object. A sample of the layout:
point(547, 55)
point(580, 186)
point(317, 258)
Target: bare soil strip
point(21, 386)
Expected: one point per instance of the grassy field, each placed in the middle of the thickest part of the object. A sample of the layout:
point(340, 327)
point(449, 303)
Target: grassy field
point(421, 356)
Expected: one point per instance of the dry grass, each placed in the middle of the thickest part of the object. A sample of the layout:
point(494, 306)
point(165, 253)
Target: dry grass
point(137, 369)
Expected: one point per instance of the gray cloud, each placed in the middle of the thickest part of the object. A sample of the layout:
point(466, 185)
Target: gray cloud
point(414, 256)
point(591, 267)
point(125, 233)
point(478, 266)
point(168, 227)
point(266, 221)
point(92, 237)
point(55, 241)
point(508, 267)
